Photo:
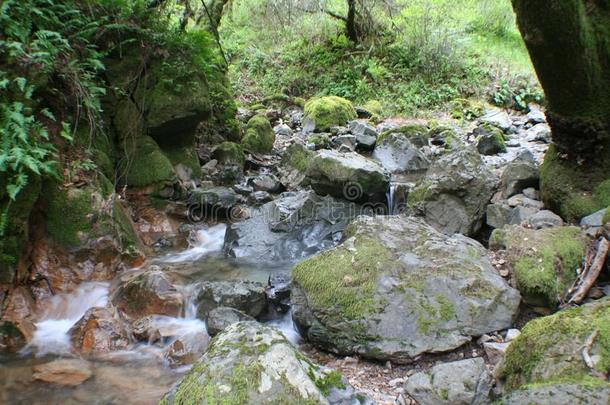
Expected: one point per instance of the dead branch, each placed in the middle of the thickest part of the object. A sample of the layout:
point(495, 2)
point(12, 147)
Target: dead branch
point(591, 271)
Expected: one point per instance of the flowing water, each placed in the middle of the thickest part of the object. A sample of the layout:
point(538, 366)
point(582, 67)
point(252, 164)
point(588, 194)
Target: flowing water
point(140, 374)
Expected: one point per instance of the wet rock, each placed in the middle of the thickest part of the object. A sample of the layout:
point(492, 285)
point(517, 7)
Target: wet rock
point(99, 331)
point(220, 318)
point(550, 353)
point(186, 348)
point(498, 215)
point(398, 155)
point(397, 288)
point(544, 261)
point(465, 382)
point(347, 175)
point(293, 226)
point(243, 189)
point(544, 219)
point(520, 174)
point(146, 293)
point(246, 296)
point(539, 133)
point(265, 182)
point(454, 194)
point(278, 291)
point(497, 118)
point(213, 203)
point(17, 325)
point(594, 220)
point(260, 198)
point(253, 363)
point(68, 372)
point(294, 164)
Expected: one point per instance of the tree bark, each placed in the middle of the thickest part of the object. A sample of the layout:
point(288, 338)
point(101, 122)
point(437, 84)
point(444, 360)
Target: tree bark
point(350, 22)
point(569, 44)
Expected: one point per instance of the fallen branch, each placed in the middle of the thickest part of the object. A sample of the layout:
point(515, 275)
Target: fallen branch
point(591, 272)
point(585, 351)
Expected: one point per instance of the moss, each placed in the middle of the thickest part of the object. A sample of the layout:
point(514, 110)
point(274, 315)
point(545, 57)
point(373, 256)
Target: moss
point(259, 136)
point(186, 156)
point(447, 308)
point(70, 213)
point(330, 111)
point(444, 394)
point(417, 134)
point(321, 141)
point(544, 261)
point(330, 380)
point(549, 347)
point(374, 107)
point(606, 218)
point(575, 190)
point(466, 109)
point(344, 278)
point(229, 153)
point(418, 194)
point(298, 157)
point(145, 164)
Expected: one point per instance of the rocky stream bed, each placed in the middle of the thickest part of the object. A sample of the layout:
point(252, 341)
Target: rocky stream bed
point(349, 261)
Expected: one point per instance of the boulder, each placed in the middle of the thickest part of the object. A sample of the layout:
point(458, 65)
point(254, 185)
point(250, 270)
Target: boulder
point(347, 175)
point(246, 296)
point(148, 292)
point(398, 155)
point(594, 220)
point(520, 174)
point(497, 118)
point(539, 133)
point(498, 215)
point(490, 140)
point(346, 141)
point(213, 203)
point(520, 215)
point(99, 331)
point(544, 261)
point(455, 192)
point(252, 363)
point(365, 134)
point(293, 167)
point(295, 225)
point(325, 112)
point(544, 219)
point(265, 182)
point(259, 137)
point(465, 382)
point(551, 351)
point(186, 348)
point(229, 153)
point(535, 115)
point(221, 317)
point(397, 288)
point(559, 394)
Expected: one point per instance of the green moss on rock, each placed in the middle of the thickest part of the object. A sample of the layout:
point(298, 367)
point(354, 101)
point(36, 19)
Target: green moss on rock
point(70, 213)
point(259, 136)
point(544, 261)
point(145, 164)
point(321, 141)
point(549, 348)
point(184, 155)
point(229, 153)
point(327, 112)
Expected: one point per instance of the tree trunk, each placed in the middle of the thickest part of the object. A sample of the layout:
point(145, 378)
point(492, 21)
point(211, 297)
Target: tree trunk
point(569, 44)
point(350, 22)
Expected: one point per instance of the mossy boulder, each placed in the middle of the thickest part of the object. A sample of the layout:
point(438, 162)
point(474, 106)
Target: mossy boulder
point(325, 112)
point(184, 156)
point(250, 363)
point(374, 107)
point(229, 153)
point(549, 350)
point(145, 164)
point(454, 194)
point(259, 136)
point(575, 189)
point(319, 141)
point(397, 288)
point(417, 134)
point(559, 392)
point(347, 175)
point(490, 140)
point(544, 261)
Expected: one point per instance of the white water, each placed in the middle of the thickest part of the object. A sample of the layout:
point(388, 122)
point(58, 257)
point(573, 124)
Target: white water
point(288, 328)
point(206, 241)
point(390, 198)
point(63, 311)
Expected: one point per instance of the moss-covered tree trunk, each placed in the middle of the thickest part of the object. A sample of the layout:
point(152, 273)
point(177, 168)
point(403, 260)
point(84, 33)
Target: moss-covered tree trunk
point(569, 44)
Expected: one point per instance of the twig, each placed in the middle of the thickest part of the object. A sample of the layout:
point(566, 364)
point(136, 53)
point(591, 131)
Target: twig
point(585, 351)
point(591, 273)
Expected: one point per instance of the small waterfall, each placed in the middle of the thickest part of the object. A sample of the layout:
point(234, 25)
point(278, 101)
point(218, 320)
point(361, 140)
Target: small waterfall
point(288, 328)
point(63, 311)
point(204, 242)
point(390, 195)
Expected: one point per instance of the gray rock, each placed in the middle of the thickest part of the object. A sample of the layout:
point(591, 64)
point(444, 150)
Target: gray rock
point(212, 203)
point(512, 334)
point(186, 348)
point(454, 194)
point(539, 133)
point(521, 214)
point(222, 317)
point(282, 130)
point(490, 140)
point(544, 219)
point(366, 135)
point(347, 140)
point(535, 115)
point(265, 182)
point(347, 175)
point(398, 155)
point(246, 296)
point(531, 193)
point(397, 288)
point(252, 363)
point(260, 197)
point(497, 118)
point(498, 215)
point(520, 174)
point(465, 382)
point(559, 394)
point(495, 351)
point(594, 220)
point(520, 199)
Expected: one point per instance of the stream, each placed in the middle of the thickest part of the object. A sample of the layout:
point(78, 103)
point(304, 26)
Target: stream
point(140, 374)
